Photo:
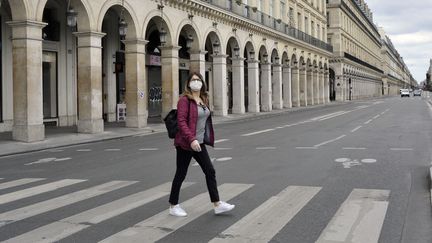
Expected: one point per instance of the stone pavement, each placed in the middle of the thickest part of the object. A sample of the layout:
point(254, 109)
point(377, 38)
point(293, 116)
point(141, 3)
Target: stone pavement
point(65, 136)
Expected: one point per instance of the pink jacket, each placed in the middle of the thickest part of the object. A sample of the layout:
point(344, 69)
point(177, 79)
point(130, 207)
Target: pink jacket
point(187, 116)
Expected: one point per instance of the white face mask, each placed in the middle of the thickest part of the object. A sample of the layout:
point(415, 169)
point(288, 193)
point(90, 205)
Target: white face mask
point(195, 85)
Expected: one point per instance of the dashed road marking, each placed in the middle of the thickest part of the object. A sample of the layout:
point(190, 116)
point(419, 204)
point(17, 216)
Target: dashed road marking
point(221, 140)
point(222, 148)
point(266, 148)
point(368, 121)
point(258, 132)
point(357, 128)
point(306, 148)
point(330, 141)
point(112, 149)
point(148, 149)
point(401, 149)
point(83, 150)
point(352, 148)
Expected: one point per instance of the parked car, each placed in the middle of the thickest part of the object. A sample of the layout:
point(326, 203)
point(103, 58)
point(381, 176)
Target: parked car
point(417, 92)
point(405, 92)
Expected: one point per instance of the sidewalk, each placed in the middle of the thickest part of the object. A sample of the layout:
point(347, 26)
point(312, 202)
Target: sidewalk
point(65, 136)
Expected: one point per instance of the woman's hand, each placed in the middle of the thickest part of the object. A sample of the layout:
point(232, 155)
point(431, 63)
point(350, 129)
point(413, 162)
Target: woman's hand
point(196, 146)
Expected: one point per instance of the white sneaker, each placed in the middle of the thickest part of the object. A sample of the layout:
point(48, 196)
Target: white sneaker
point(223, 207)
point(177, 211)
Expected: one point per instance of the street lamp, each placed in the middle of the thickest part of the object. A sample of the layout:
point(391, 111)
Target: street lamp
point(71, 15)
point(189, 41)
point(216, 47)
point(123, 26)
point(265, 57)
point(252, 55)
point(277, 60)
point(236, 51)
point(162, 36)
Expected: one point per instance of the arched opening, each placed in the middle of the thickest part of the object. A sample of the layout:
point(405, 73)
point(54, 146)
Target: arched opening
point(332, 86)
point(155, 31)
point(263, 59)
point(114, 86)
point(6, 94)
point(249, 72)
point(217, 86)
point(188, 43)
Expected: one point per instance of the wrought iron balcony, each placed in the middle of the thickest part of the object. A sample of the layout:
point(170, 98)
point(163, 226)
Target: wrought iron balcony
point(251, 13)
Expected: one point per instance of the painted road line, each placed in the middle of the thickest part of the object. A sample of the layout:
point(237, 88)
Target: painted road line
point(83, 150)
point(60, 229)
point(18, 182)
point(162, 224)
point(368, 121)
point(13, 196)
point(264, 222)
point(353, 148)
point(58, 202)
point(357, 128)
point(330, 141)
point(266, 148)
point(401, 149)
point(148, 149)
point(222, 148)
point(324, 116)
point(221, 140)
point(375, 117)
point(112, 149)
point(306, 148)
point(258, 132)
point(343, 113)
point(359, 219)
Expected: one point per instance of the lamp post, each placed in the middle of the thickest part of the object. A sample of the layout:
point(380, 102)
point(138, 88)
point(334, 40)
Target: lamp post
point(252, 55)
point(123, 26)
point(265, 57)
point(71, 16)
point(162, 36)
point(216, 47)
point(236, 51)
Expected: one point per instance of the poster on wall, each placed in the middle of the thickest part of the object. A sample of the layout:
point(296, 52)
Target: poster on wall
point(121, 112)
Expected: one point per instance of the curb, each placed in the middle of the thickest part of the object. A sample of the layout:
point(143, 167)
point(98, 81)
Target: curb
point(161, 128)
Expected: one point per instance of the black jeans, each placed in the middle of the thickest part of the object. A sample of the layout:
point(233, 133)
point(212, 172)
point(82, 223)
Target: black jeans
point(183, 160)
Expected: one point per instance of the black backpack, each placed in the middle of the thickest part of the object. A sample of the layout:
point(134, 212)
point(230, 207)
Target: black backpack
point(171, 123)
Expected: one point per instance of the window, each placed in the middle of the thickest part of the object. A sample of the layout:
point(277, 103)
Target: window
point(291, 17)
point(306, 25)
point(312, 29)
point(299, 21)
point(282, 10)
point(271, 8)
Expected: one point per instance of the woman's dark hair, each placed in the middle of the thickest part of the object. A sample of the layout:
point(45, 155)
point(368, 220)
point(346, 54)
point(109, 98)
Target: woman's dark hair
point(203, 93)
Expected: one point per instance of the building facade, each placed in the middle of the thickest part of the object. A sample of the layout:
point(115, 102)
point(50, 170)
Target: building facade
point(363, 64)
point(255, 56)
point(396, 74)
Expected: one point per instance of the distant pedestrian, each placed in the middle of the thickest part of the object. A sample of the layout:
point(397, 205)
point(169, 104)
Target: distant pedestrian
point(195, 131)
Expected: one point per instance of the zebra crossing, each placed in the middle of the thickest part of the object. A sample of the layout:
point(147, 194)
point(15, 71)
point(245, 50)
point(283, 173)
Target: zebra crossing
point(359, 218)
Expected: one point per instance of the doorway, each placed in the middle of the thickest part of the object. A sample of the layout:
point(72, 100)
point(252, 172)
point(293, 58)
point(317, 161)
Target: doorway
point(49, 88)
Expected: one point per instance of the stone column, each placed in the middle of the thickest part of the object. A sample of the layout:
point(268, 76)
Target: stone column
point(27, 81)
point(322, 89)
point(295, 86)
point(303, 88)
point(317, 89)
point(136, 83)
point(310, 87)
point(90, 82)
point(286, 80)
point(170, 78)
point(238, 85)
point(253, 86)
point(277, 87)
point(326, 87)
point(197, 62)
point(220, 85)
point(266, 92)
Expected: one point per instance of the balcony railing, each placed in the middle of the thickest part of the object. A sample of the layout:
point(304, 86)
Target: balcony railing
point(253, 14)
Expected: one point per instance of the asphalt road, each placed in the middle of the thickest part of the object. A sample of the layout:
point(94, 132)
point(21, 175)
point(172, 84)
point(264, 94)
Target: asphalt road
point(355, 172)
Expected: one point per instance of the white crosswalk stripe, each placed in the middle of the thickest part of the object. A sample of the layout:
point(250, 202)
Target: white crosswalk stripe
point(18, 182)
point(13, 196)
point(48, 205)
point(359, 219)
point(68, 226)
point(263, 223)
point(162, 224)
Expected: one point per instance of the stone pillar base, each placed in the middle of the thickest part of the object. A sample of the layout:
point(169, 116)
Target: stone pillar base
point(30, 133)
point(278, 106)
point(91, 126)
point(266, 108)
point(253, 109)
point(220, 112)
point(136, 121)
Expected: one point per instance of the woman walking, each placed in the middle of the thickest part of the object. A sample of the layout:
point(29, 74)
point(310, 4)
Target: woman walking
point(195, 131)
